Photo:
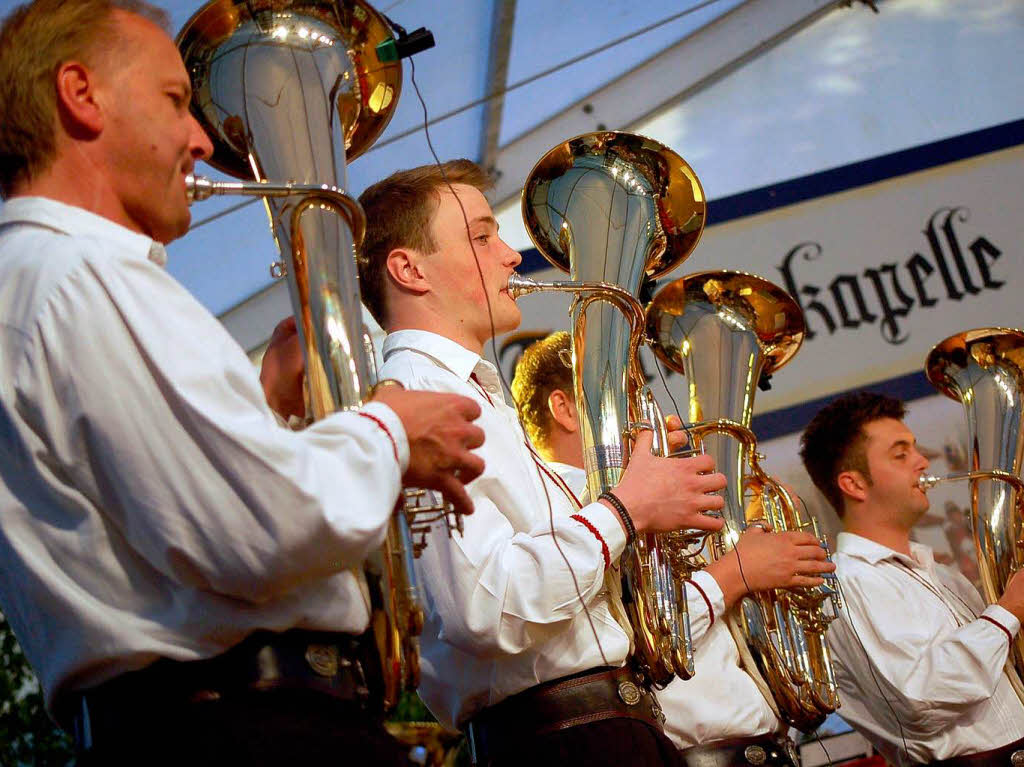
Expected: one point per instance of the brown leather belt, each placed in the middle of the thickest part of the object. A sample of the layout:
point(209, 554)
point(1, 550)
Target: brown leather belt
point(1004, 756)
point(740, 752)
point(560, 704)
point(341, 666)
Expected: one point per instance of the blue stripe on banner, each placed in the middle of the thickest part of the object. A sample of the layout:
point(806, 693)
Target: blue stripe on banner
point(779, 423)
point(846, 177)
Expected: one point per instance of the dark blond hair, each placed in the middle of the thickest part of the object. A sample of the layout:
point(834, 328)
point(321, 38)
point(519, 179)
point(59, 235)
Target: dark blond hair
point(398, 214)
point(540, 371)
point(35, 40)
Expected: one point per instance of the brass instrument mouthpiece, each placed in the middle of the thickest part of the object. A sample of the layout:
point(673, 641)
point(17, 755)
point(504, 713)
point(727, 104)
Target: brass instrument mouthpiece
point(198, 188)
point(928, 481)
point(521, 286)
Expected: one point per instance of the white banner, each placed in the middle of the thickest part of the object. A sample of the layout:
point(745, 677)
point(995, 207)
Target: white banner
point(883, 272)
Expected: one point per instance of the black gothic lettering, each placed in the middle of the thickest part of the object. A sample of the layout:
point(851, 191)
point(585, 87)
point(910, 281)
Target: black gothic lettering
point(890, 325)
point(961, 214)
point(809, 251)
point(920, 270)
point(940, 258)
point(836, 286)
point(981, 248)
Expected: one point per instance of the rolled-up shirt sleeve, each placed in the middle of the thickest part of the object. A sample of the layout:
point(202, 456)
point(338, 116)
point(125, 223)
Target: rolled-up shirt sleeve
point(143, 403)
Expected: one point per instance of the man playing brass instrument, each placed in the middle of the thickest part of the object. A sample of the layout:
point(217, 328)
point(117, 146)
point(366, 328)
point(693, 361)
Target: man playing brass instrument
point(720, 716)
point(920, 659)
point(523, 644)
point(183, 573)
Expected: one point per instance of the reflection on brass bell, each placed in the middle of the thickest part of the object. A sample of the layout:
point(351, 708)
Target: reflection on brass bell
point(755, 755)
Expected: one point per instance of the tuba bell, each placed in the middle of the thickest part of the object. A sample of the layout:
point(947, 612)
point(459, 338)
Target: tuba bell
point(289, 91)
point(983, 370)
point(726, 332)
point(613, 209)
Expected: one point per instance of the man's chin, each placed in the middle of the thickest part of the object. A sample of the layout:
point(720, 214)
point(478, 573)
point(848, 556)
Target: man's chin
point(506, 322)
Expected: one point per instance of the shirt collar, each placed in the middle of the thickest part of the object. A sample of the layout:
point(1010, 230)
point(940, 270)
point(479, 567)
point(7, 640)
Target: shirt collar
point(858, 546)
point(78, 222)
point(458, 359)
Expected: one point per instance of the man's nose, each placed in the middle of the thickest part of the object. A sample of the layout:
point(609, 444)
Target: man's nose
point(513, 257)
point(923, 462)
point(202, 147)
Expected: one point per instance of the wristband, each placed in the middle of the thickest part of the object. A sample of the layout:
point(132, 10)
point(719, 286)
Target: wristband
point(627, 521)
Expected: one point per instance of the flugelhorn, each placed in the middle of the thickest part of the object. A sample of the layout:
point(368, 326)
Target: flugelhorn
point(613, 209)
point(289, 91)
point(725, 331)
point(983, 370)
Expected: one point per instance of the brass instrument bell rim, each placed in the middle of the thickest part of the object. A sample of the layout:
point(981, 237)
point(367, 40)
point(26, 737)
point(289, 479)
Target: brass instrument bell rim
point(940, 358)
point(217, 20)
point(777, 353)
point(678, 166)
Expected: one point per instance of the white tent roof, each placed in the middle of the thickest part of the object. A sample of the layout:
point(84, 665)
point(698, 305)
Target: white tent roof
point(709, 78)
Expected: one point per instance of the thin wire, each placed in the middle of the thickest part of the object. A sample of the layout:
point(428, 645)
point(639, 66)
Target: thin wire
point(817, 737)
point(490, 316)
point(544, 73)
point(863, 649)
point(498, 93)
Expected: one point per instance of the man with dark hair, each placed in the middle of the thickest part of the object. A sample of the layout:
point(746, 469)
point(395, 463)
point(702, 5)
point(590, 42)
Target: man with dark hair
point(523, 644)
point(183, 574)
point(723, 715)
point(920, 659)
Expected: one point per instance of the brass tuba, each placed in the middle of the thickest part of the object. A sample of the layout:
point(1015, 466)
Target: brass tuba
point(614, 209)
point(726, 331)
point(983, 370)
point(289, 91)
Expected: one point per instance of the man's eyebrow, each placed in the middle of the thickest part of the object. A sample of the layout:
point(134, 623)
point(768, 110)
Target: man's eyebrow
point(485, 220)
point(184, 85)
point(901, 443)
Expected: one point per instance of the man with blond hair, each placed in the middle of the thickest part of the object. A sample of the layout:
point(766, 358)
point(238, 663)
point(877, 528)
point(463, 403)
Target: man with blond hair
point(525, 645)
point(183, 573)
point(721, 716)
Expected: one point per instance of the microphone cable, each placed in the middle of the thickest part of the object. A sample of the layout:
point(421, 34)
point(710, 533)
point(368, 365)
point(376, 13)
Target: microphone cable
point(494, 351)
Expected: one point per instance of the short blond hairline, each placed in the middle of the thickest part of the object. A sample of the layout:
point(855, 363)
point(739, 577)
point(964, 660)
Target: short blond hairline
point(541, 370)
point(35, 40)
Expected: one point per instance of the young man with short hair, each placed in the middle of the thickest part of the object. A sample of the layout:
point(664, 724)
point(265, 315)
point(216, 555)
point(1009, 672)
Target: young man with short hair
point(920, 658)
point(524, 644)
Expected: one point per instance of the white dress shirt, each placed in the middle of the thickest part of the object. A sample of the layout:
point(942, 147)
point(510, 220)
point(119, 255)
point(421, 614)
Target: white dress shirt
point(503, 612)
point(150, 505)
point(721, 700)
point(926, 669)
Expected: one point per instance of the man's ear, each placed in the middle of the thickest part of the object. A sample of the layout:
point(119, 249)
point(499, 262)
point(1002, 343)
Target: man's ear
point(404, 269)
point(563, 410)
point(77, 106)
point(853, 484)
